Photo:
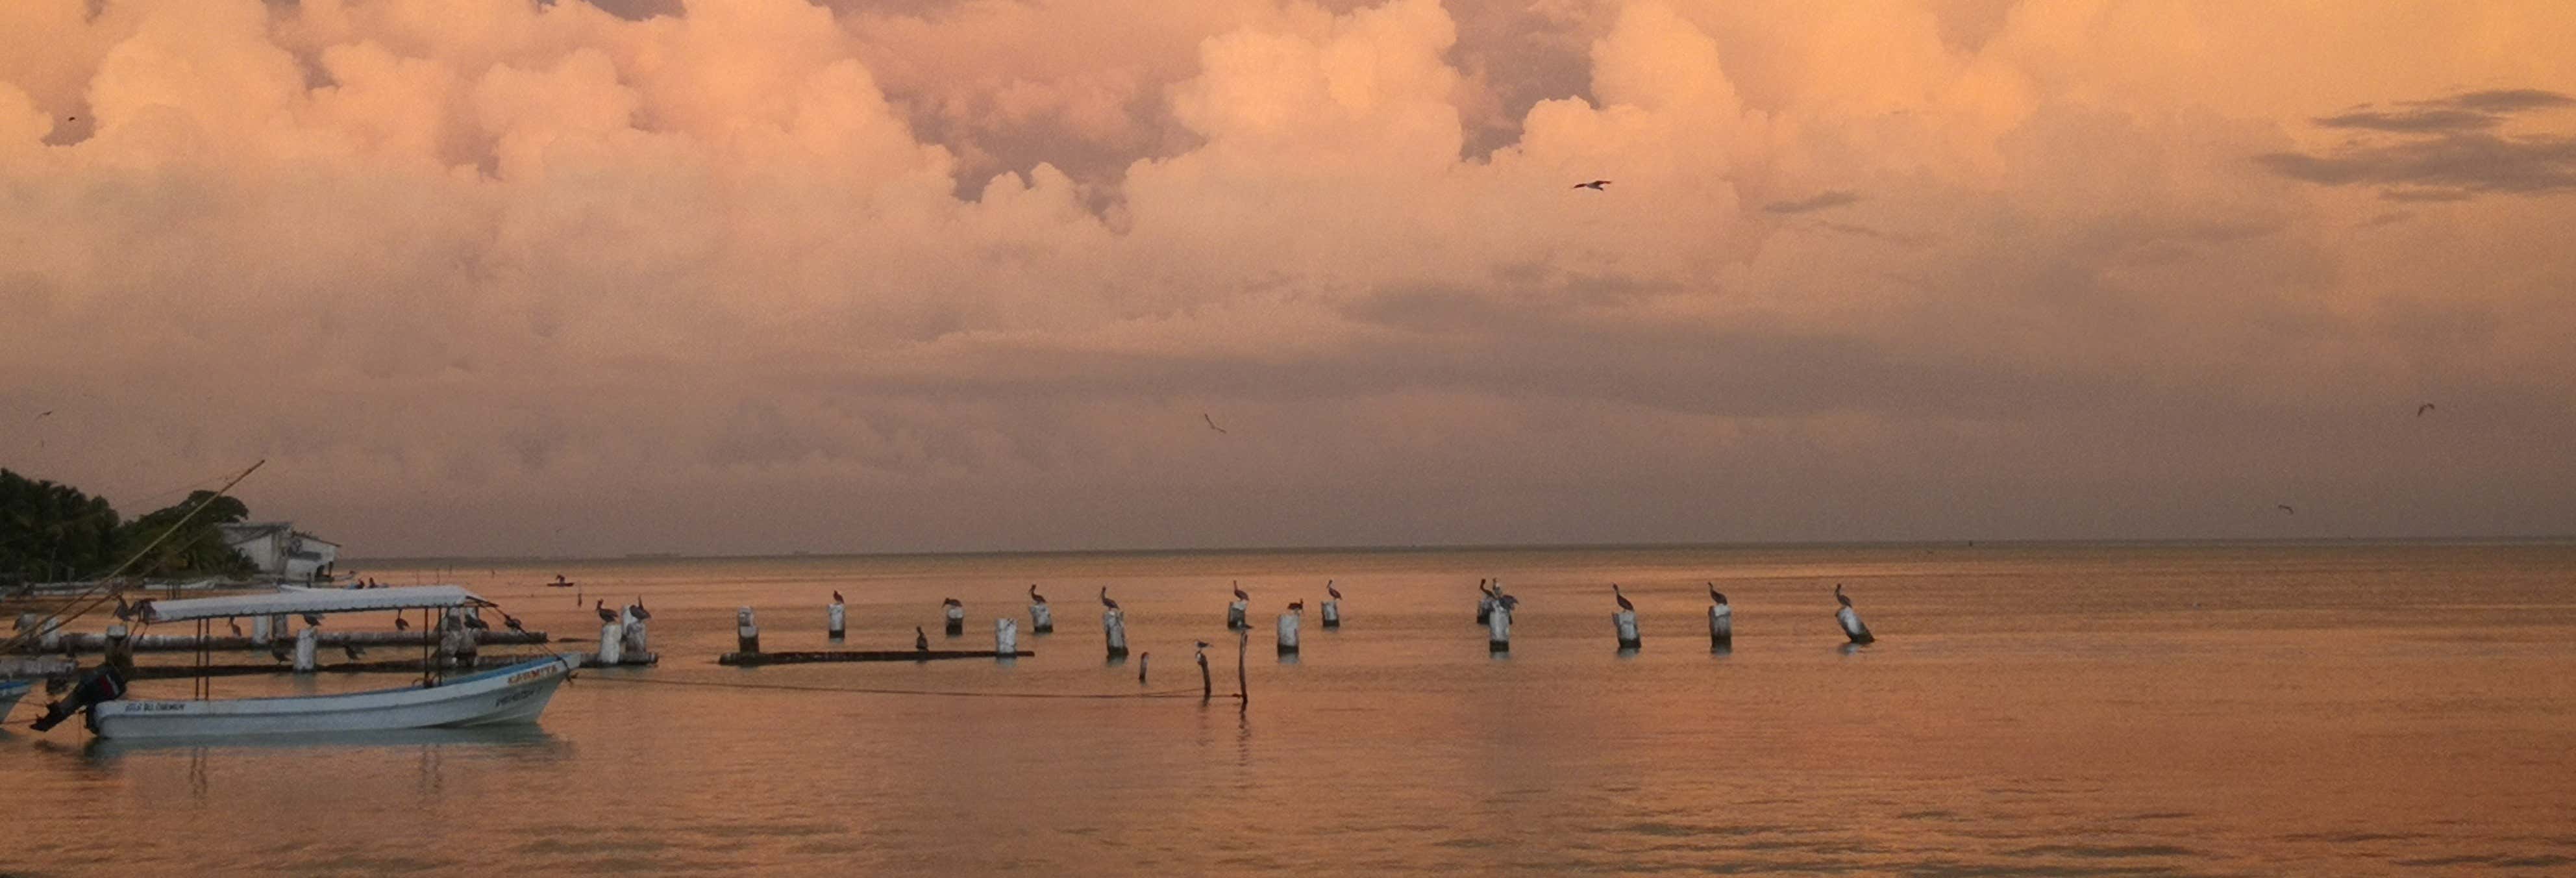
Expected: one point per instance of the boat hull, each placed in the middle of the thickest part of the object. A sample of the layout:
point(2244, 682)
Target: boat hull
point(504, 696)
point(10, 692)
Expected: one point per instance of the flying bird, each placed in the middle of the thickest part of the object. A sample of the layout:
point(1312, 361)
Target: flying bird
point(1034, 596)
point(44, 414)
point(1211, 422)
point(1623, 599)
point(1839, 596)
point(2421, 409)
point(2284, 507)
point(1595, 185)
point(1104, 598)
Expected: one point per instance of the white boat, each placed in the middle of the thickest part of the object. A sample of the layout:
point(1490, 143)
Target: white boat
point(503, 696)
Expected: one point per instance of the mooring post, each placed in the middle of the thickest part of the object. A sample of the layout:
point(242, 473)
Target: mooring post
point(1288, 622)
point(956, 620)
point(1207, 683)
point(1143, 659)
point(836, 621)
point(1006, 638)
point(305, 643)
point(1234, 615)
point(1041, 619)
point(1242, 689)
point(612, 645)
point(1625, 622)
point(1113, 622)
point(746, 632)
point(1498, 628)
point(635, 643)
point(1333, 612)
point(1721, 628)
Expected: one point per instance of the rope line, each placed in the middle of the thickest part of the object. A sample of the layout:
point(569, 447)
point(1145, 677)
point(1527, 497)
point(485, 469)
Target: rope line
point(1169, 693)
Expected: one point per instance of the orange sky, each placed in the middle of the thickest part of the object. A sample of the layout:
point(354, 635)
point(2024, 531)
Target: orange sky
point(485, 276)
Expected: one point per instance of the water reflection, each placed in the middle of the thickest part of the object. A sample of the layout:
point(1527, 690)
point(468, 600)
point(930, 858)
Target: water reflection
point(518, 742)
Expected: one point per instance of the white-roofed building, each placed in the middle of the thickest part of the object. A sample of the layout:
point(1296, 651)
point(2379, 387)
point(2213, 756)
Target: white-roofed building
point(279, 550)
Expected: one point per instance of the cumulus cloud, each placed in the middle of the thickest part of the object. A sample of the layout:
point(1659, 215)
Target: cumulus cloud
point(766, 274)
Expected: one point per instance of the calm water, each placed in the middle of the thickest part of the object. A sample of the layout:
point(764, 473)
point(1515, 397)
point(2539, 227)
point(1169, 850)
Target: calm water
point(2029, 710)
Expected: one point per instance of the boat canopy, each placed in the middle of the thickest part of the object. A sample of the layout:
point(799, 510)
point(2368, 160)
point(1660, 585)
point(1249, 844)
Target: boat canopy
point(316, 600)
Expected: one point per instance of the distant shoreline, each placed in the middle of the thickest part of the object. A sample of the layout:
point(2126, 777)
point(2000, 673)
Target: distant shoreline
point(2356, 542)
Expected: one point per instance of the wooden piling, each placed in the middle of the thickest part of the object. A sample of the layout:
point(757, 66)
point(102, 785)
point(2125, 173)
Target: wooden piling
point(1113, 622)
point(956, 620)
point(836, 621)
point(1288, 623)
point(1006, 637)
point(1498, 629)
point(304, 651)
point(746, 632)
point(1721, 627)
point(1625, 622)
point(1332, 614)
point(1041, 619)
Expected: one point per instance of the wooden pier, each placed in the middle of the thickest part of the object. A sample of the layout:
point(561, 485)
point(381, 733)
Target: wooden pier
point(756, 659)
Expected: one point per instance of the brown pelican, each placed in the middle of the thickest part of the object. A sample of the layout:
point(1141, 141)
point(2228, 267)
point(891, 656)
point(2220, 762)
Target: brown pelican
point(1330, 590)
point(920, 640)
point(836, 596)
point(2421, 409)
point(353, 651)
point(1297, 606)
point(1238, 592)
point(400, 623)
point(1715, 596)
point(1104, 598)
point(642, 614)
point(1622, 599)
point(605, 614)
point(1034, 596)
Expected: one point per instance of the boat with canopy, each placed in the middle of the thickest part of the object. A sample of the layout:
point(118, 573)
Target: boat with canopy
point(515, 694)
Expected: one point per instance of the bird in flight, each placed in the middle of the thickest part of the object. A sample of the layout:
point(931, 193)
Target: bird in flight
point(2284, 507)
point(1211, 422)
point(1595, 185)
point(2421, 409)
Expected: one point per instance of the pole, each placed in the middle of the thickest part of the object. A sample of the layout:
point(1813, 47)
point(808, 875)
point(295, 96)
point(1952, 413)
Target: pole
point(1242, 690)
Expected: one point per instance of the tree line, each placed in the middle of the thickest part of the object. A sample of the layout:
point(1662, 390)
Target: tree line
point(51, 532)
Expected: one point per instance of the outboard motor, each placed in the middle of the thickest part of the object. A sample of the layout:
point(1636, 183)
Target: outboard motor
point(100, 684)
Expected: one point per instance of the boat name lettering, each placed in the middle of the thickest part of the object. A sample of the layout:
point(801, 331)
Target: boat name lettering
point(525, 676)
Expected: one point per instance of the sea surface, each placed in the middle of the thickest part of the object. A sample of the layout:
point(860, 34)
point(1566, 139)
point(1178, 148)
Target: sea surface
point(2048, 709)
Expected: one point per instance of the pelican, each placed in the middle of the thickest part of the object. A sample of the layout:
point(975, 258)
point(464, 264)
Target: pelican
point(1238, 593)
point(1330, 590)
point(951, 602)
point(313, 619)
point(353, 651)
point(1104, 598)
point(236, 626)
point(2284, 507)
point(920, 640)
point(1211, 422)
point(605, 614)
point(400, 623)
point(1621, 598)
point(512, 622)
point(1850, 618)
point(1034, 596)
point(2421, 409)
point(1715, 596)
point(836, 596)
point(642, 614)
point(1297, 606)
point(1594, 185)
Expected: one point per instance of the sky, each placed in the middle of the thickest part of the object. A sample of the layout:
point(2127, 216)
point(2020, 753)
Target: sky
point(496, 277)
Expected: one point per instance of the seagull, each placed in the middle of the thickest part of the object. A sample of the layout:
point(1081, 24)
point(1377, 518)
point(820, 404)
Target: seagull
point(920, 640)
point(605, 614)
point(1595, 185)
point(1211, 422)
point(1716, 596)
point(2284, 507)
point(642, 614)
point(2421, 409)
point(1104, 598)
point(1838, 595)
point(1623, 599)
point(1034, 596)
point(1330, 590)
point(400, 623)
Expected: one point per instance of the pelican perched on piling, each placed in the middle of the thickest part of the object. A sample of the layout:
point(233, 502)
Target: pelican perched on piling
point(1850, 618)
point(1034, 596)
point(313, 619)
point(1330, 590)
point(920, 640)
point(1104, 598)
point(1238, 592)
point(1721, 620)
point(1297, 606)
point(1621, 598)
point(605, 614)
point(836, 596)
point(642, 614)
